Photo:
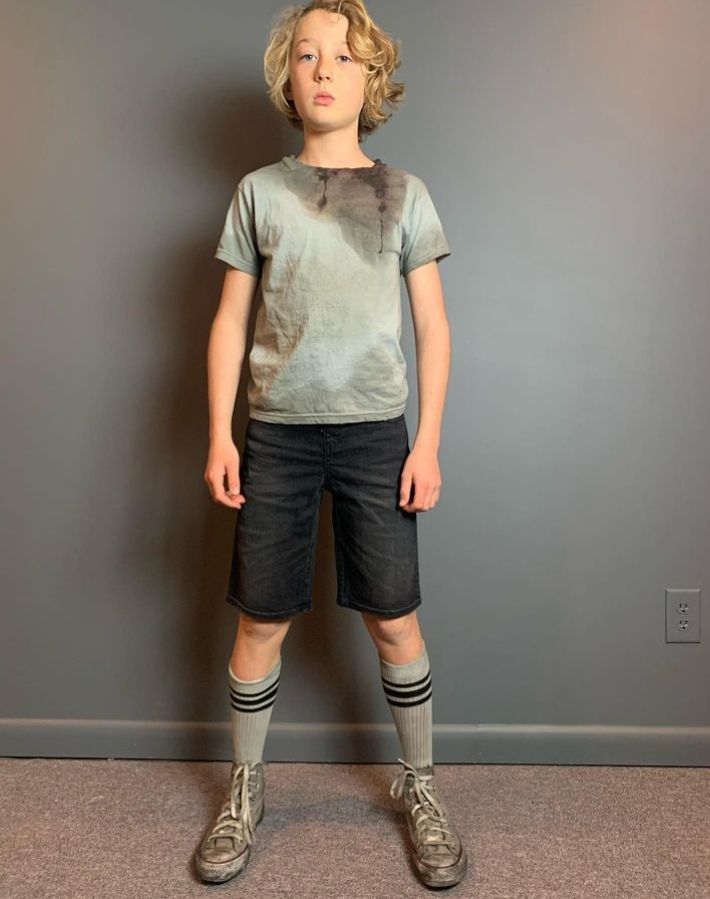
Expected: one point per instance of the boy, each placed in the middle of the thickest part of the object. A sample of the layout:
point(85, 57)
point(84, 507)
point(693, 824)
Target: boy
point(329, 233)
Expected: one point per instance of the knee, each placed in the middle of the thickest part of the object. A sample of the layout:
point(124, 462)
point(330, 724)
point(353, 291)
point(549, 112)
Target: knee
point(394, 631)
point(261, 630)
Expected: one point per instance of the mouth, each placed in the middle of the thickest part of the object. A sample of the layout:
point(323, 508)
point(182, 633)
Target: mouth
point(324, 96)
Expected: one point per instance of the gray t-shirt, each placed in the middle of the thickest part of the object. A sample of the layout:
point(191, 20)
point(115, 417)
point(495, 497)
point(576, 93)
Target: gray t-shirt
point(330, 246)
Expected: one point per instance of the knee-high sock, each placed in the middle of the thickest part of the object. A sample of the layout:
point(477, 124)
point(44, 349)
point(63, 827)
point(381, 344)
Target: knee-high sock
point(251, 702)
point(408, 692)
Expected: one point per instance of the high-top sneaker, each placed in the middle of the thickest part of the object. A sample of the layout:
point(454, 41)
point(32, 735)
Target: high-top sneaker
point(226, 847)
point(434, 846)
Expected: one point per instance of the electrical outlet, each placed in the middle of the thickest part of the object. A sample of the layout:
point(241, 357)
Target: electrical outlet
point(682, 616)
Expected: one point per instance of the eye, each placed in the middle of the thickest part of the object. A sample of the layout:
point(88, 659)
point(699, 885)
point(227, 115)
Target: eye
point(341, 56)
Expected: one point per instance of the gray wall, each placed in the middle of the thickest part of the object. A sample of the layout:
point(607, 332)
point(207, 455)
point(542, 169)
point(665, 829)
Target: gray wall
point(567, 146)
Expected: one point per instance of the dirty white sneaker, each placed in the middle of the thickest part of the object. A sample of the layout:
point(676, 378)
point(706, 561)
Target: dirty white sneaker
point(226, 847)
point(434, 846)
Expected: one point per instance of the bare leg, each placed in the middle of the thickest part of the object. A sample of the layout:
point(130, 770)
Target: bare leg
point(398, 640)
point(257, 646)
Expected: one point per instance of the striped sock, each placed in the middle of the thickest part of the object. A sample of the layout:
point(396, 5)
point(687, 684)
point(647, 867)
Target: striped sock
point(408, 692)
point(251, 702)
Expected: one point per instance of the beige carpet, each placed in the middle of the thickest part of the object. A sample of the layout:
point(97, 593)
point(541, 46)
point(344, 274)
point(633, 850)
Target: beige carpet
point(89, 829)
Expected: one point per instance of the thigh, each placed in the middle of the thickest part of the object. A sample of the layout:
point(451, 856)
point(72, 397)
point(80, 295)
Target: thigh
point(375, 540)
point(281, 475)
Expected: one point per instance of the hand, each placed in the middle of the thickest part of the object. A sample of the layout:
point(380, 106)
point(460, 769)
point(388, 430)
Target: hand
point(421, 470)
point(224, 459)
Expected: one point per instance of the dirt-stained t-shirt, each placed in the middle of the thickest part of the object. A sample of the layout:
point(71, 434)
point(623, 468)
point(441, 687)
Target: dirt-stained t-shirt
point(330, 246)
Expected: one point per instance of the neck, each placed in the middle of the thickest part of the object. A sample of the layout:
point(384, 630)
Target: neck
point(333, 150)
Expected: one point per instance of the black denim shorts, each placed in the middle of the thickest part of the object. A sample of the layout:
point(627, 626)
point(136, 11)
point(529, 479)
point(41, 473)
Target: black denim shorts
point(284, 470)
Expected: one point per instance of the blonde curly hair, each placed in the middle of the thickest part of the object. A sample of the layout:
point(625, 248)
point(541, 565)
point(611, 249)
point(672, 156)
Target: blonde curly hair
point(376, 50)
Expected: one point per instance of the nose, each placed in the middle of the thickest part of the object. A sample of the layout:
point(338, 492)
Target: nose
point(322, 71)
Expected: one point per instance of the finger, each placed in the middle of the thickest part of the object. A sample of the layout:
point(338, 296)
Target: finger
point(411, 506)
point(232, 501)
point(405, 488)
point(221, 495)
point(233, 479)
point(208, 480)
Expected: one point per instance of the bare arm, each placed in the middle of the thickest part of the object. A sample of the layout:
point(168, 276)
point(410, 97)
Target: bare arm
point(225, 356)
point(433, 347)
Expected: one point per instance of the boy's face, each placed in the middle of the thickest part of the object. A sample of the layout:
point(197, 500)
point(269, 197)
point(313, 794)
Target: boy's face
point(321, 60)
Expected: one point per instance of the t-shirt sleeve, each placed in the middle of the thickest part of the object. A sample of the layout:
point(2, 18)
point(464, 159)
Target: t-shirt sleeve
point(238, 244)
point(423, 238)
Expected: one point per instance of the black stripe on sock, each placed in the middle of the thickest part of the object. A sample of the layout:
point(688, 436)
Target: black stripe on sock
point(256, 695)
point(412, 697)
point(415, 683)
point(253, 702)
point(409, 704)
point(260, 708)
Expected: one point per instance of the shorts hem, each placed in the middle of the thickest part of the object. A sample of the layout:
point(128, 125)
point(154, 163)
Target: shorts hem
point(287, 613)
point(381, 613)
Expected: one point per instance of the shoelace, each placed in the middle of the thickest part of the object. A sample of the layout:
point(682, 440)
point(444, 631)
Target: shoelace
point(232, 821)
point(429, 816)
